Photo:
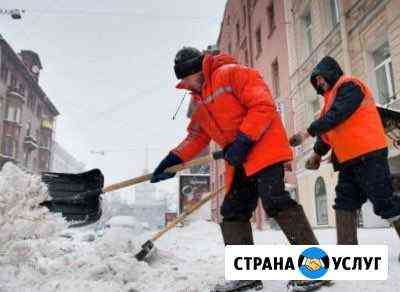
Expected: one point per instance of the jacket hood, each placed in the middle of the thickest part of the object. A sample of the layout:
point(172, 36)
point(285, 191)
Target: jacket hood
point(210, 64)
point(213, 62)
point(329, 69)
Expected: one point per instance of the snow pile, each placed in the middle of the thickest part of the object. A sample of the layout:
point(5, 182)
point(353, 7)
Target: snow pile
point(34, 256)
point(21, 217)
point(190, 258)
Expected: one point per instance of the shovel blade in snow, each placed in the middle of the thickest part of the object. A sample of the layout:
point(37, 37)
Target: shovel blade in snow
point(76, 196)
point(146, 250)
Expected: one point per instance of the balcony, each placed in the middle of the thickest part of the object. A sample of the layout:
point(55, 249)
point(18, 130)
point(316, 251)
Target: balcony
point(30, 143)
point(13, 124)
point(44, 147)
point(6, 157)
point(13, 93)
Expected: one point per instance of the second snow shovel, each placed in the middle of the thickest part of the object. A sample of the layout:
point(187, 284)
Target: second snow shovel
point(77, 196)
point(148, 246)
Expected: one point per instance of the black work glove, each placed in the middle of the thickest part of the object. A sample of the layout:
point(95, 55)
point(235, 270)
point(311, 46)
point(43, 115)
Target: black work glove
point(236, 152)
point(170, 160)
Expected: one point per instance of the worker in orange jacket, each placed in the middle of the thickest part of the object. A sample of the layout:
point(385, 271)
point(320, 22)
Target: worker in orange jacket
point(233, 106)
point(351, 127)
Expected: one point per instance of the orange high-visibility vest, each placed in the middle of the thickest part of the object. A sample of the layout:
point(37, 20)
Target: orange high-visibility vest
point(362, 132)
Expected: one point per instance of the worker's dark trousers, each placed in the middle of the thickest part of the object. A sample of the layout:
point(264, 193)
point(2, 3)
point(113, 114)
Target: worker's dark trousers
point(367, 178)
point(267, 184)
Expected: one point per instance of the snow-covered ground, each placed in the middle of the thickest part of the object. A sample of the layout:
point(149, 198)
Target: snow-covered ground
point(189, 258)
point(46, 256)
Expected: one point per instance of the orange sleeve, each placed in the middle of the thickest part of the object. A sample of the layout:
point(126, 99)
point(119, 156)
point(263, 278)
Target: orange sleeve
point(255, 95)
point(195, 141)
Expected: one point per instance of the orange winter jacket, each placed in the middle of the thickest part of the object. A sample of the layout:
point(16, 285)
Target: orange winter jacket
point(362, 132)
point(235, 98)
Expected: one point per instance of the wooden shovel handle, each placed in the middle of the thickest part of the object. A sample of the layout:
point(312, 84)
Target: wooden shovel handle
point(130, 182)
point(187, 213)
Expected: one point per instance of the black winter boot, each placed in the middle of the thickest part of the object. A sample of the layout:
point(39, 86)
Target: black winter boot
point(298, 231)
point(237, 233)
point(346, 227)
point(295, 226)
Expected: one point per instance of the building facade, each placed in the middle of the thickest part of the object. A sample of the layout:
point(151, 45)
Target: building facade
point(364, 36)
point(62, 161)
point(27, 116)
point(254, 32)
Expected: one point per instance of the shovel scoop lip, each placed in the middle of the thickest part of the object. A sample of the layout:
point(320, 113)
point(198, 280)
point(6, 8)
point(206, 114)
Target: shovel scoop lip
point(145, 251)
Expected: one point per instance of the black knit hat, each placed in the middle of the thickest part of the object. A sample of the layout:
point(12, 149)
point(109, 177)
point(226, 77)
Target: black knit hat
point(188, 61)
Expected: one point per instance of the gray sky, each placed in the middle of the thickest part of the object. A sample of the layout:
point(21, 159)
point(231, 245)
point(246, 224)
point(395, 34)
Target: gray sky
point(107, 66)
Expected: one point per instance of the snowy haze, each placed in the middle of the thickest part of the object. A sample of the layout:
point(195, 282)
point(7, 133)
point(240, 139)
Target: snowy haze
point(107, 66)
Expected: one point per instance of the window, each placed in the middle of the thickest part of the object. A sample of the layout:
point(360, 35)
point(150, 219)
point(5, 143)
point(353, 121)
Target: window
point(275, 78)
point(238, 31)
point(321, 202)
point(26, 158)
point(21, 89)
point(45, 141)
point(334, 8)
point(13, 113)
point(4, 72)
point(9, 146)
point(384, 74)
point(33, 104)
point(230, 48)
point(271, 18)
point(258, 41)
point(228, 20)
point(28, 129)
point(246, 57)
point(30, 99)
point(307, 25)
point(39, 111)
point(244, 15)
point(13, 81)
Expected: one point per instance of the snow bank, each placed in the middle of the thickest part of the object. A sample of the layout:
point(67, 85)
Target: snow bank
point(22, 219)
point(34, 256)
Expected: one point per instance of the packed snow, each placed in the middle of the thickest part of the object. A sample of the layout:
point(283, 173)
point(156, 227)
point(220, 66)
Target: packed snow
point(39, 252)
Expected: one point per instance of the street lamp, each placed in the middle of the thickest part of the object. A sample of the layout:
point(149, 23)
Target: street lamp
point(14, 13)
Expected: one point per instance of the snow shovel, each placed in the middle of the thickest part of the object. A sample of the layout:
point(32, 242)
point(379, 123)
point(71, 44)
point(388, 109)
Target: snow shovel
point(148, 246)
point(77, 196)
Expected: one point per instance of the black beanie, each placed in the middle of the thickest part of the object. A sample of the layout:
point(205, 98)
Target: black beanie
point(188, 61)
